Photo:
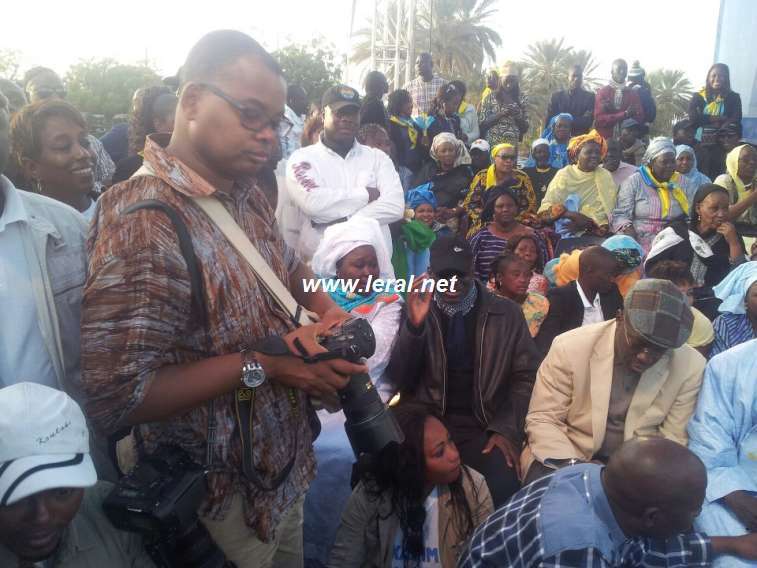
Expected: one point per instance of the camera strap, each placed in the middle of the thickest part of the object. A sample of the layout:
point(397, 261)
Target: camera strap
point(197, 290)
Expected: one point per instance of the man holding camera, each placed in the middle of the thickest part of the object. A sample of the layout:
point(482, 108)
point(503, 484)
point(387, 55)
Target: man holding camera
point(50, 501)
point(469, 354)
point(150, 362)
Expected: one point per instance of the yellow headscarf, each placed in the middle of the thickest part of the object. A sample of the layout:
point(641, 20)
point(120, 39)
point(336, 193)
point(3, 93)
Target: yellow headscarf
point(732, 167)
point(491, 176)
point(576, 143)
point(702, 332)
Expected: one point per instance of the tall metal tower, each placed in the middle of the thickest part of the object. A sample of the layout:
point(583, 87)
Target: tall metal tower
point(392, 40)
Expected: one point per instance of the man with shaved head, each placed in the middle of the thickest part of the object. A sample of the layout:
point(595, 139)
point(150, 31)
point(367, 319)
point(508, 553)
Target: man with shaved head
point(592, 298)
point(637, 511)
point(607, 383)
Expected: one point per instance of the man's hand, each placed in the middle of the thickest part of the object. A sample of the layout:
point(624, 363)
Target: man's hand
point(418, 302)
point(630, 113)
point(320, 380)
point(744, 506)
point(510, 451)
point(333, 317)
point(744, 546)
point(373, 194)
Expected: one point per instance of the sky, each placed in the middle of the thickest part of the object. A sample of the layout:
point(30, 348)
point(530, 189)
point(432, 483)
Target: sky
point(659, 33)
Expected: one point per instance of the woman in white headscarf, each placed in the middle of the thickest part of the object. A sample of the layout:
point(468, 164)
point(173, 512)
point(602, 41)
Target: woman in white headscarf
point(686, 165)
point(348, 255)
point(450, 175)
point(653, 197)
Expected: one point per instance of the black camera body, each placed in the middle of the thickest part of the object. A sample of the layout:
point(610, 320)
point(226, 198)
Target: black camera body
point(369, 426)
point(159, 498)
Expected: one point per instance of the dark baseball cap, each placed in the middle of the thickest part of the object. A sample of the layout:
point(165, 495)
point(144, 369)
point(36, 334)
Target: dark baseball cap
point(451, 253)
point(340, 96)
point(629, 123)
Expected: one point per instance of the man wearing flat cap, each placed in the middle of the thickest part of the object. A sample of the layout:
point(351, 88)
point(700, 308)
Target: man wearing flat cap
point(606, 383)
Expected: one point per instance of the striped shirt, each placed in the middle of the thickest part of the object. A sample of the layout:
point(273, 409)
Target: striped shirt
point(565, 520)
point(137, 318)
point(731, 330)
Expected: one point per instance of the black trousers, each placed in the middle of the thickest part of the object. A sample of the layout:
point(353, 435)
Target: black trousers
point(470, 440)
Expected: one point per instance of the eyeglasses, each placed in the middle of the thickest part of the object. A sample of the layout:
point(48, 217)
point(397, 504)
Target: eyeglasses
point(250, 117)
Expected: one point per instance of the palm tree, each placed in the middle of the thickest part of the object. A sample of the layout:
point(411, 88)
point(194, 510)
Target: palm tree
point(460, 40)
point(671, 90)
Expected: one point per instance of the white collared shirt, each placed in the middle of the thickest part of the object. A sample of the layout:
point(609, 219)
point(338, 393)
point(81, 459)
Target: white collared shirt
point(23, 353)
point(592, 310)
point(325, 187)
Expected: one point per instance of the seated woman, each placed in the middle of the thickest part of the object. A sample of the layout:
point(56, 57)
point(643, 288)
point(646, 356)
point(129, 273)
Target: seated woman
point(52, 148)
point(404, 133)
point(723, 433)
point(416, 505)
point(557, 133)
point(528, 248)
point(444, 112)
point(353, 250)
point(450, 176)
point(501, 217)
point(709, 245)
point(539, 169)
point(510, 276)
point(652, 197)
point(741, 183)
point(686, 165)
point(502, 173)
point(737, 322)
point(416, 233)
point(581, 195)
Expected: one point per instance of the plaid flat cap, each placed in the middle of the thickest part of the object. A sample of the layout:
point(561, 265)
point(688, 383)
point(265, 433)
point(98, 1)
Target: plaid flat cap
point(659, 312)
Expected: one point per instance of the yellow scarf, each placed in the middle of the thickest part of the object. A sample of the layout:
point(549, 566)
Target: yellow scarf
point(412, 133)
point(665, 190)
point(462, 108)
point(485, 93)
point(715, 107)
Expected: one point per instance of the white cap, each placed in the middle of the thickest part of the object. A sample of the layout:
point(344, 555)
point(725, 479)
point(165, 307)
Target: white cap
point(44, 442)
point(480, 144)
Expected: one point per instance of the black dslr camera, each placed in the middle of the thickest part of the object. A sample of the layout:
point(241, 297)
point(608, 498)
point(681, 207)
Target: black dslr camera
point(370, 427)
point(159, 499)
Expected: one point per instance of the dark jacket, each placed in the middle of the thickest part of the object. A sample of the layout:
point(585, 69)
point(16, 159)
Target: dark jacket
point(566, 312)
point(732, 104)
point(411, 158)
point(449, 188)
point(504, 367)
point(577, 104)
point(372, 111)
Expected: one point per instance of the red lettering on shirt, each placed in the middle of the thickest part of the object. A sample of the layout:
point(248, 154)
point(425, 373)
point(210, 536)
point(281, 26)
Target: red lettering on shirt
point(302, 178)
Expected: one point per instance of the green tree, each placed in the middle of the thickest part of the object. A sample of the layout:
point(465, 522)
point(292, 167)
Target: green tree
point(455, 30)
point(671, 90)
point(9, 63)
point(313, 66)
point(105, 86)
point(545, 70)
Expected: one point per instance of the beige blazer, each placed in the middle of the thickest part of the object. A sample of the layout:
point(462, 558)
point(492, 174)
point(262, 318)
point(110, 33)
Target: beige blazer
point(567, 416)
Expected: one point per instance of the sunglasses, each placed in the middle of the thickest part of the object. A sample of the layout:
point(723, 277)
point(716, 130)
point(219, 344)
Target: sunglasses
point(506, 157)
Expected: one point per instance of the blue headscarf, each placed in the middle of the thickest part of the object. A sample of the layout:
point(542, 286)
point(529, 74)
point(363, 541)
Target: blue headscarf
point(626, 250)
point(558, 152)
point(733, 288)
point(694, 178)
point(420, 195)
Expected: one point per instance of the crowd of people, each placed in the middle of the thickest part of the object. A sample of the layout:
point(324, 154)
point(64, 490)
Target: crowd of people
point(582, 395)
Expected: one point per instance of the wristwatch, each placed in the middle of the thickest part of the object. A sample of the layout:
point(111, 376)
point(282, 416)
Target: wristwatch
point(253, 374)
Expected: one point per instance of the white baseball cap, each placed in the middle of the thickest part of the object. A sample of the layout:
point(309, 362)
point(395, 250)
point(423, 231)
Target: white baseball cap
point(44, 442)
point(480, 144)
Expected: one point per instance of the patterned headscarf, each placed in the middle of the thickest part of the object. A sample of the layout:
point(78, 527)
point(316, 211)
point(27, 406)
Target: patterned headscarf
point(577, 142)
point(462, 157)
point(626, 250)
point(657, 147)
point(420, 195)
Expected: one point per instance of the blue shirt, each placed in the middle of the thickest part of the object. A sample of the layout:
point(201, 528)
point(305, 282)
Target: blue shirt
point(565, 520)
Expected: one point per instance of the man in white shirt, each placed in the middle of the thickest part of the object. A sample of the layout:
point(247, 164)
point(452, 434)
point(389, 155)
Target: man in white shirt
point(593, 298)
point(338, 178)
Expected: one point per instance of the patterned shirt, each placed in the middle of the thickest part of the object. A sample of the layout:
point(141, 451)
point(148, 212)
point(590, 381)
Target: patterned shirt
point(137, 318)
point(424, 92)
point(505, 129)
point(540, 524)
